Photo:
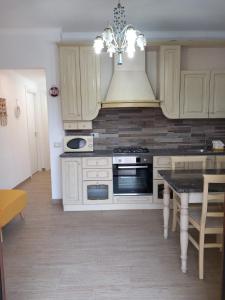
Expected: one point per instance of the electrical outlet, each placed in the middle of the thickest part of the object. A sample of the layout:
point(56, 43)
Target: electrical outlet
point(57, 145)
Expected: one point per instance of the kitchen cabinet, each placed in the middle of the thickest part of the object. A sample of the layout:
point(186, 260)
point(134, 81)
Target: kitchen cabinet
point(202, 94)
point(80, 85)
point(170, 80)
point(70, 83)
point(217, 94)
point(97, 180)
point(194, 96)
point(72, 181)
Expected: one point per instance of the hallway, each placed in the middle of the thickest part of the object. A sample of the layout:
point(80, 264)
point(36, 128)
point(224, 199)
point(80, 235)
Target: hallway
point(112, 255)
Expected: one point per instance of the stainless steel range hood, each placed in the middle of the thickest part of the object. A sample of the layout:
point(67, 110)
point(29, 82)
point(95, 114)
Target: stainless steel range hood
point(130, 86)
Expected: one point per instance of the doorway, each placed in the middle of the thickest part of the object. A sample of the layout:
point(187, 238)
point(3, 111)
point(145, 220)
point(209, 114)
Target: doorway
point(32, 130)
point(24, 140)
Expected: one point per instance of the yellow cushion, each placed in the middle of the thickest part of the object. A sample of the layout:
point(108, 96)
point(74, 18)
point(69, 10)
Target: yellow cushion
point(12, 202)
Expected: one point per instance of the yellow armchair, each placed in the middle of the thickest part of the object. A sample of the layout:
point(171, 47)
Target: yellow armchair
point(12, 203)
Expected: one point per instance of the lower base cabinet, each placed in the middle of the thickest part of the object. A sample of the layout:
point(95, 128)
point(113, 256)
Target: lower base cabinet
point(72, 181)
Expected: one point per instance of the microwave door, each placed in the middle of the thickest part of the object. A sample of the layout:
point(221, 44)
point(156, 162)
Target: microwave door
point(77, 144)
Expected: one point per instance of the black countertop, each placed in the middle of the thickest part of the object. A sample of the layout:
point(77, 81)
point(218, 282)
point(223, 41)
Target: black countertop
point(190, 181)
point(153, 152)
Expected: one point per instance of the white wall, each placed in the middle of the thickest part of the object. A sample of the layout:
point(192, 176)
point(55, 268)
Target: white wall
point(14, 143)
point(38, 50)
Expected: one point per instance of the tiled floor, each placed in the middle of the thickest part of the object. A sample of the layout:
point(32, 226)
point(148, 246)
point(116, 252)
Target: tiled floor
point(112, 255)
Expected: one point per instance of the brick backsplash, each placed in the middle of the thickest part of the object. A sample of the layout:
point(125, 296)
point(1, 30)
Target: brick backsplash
point(150, 128)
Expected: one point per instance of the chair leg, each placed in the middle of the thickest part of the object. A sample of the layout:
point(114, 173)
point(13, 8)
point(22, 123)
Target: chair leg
point(201, 256)
point(174, 224)
point(22, 215)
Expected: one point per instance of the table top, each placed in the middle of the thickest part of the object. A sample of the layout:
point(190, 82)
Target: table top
point(190, 181)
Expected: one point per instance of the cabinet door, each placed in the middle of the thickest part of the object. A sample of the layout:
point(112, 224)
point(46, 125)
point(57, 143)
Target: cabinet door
point(217, 95)
point(70, 82)
point(72, 180)
point(170, 80)
point(90, 83)
point(194, 100)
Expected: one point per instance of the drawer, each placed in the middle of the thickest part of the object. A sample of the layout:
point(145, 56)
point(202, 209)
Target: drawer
point(97, 174)
point(156, 173)
point(162, 162)
point(97, 162)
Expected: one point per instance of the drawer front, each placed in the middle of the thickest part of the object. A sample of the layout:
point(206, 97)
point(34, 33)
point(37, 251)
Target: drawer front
point(162, 162)
point(97, 162)
point(97, 192)
point(97, 174)
point(156, 172)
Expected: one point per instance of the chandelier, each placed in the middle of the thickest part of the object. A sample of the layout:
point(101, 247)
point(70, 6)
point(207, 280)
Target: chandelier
point(120, 38)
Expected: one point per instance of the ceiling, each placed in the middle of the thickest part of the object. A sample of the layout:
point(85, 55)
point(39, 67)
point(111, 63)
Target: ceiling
point(93, 15)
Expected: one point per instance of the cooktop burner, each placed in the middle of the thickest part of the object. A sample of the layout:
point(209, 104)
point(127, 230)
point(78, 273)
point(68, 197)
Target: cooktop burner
point(130, 150)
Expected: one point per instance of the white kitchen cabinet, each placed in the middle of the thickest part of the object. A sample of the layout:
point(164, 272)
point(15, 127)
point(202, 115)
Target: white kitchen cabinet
point(70, 82)
point(97, 174)
point(90, 83)
point(72, 181)
point(217, 94)
point(97, 162)
point(194, 96)
point(170, 80)
point(80, 84)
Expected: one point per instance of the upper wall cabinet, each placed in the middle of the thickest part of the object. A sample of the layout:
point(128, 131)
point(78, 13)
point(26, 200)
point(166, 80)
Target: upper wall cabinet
point(170, 80)
point(217, 95)
point(80, 84)
point(194, 95)
point(70, 83)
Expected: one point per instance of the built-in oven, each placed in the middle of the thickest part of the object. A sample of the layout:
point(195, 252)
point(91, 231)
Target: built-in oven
point(132, 175)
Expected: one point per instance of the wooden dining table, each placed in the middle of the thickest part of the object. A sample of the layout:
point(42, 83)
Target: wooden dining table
point(188, 185)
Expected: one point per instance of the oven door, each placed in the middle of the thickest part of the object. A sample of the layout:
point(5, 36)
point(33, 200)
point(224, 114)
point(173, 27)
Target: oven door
point(132, 179)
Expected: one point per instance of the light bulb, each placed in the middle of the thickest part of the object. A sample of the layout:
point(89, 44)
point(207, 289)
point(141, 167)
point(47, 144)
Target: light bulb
point(98, 44)
point(131, 35)
point(111, 50)
point(141, 41)
point(130, 51)
point(107, 35)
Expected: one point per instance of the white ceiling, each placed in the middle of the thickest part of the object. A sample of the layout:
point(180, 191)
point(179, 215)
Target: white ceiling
point(93, 15)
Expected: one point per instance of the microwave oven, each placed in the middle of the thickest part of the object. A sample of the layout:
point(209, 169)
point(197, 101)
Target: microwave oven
point(78, 143)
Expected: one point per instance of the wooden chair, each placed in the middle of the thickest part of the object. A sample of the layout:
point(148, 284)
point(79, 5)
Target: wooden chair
point(209, 219)
point(220, 162)
point(184, 163)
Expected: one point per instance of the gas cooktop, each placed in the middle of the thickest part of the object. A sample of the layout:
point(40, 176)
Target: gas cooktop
point(130, 150)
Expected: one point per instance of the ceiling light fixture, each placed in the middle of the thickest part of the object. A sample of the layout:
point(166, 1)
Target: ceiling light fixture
point(120, 37)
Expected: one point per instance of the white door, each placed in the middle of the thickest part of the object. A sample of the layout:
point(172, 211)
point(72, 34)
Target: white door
point(32, 131)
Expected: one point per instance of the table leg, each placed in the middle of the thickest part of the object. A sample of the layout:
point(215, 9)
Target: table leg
point(184, 231)
point(166, 209)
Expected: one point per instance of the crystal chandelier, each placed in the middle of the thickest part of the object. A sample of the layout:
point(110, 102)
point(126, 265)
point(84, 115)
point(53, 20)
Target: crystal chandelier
point(120, 37)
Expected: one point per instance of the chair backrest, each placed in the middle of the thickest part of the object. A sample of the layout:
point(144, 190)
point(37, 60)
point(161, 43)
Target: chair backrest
point(211, 199)
point(188, 162)
point(220, 162)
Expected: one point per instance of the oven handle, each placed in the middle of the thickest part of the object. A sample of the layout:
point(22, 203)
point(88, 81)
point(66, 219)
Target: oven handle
point(132, 167)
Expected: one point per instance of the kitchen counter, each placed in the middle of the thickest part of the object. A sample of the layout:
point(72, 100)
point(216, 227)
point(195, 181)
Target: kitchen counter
point(96, 153)
point(153, 152)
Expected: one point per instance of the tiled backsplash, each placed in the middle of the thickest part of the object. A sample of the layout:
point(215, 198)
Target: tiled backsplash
point(150, 128)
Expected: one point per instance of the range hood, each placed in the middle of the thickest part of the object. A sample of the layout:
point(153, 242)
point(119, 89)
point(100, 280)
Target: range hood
point(130, 86)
